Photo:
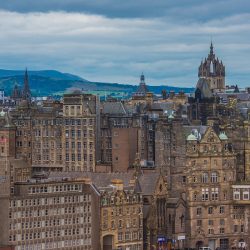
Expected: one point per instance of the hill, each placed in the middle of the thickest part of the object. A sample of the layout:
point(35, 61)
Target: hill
point(52, 82)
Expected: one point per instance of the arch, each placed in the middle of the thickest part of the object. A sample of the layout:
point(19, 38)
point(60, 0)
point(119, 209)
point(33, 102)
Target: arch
point(199, 244)
point(108, 242)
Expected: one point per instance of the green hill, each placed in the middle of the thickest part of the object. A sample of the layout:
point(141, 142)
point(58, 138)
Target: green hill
point(52, 82)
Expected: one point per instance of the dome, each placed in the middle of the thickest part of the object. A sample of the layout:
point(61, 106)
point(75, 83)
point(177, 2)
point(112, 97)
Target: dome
point(223, 136)
point(191, 137)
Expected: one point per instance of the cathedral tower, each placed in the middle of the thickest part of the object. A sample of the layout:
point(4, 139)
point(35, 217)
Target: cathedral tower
point(214, 71)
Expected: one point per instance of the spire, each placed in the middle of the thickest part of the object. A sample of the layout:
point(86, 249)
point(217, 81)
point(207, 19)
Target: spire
point(26, 89)
point(142, 78)
point(142, 89)
point(211, 48)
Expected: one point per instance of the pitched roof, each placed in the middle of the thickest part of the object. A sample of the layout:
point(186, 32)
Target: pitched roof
point(114, 108)
point(148, 182)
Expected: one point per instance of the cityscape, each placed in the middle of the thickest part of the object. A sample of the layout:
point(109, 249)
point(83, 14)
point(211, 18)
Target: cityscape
point(168, 171)
point(125, 125)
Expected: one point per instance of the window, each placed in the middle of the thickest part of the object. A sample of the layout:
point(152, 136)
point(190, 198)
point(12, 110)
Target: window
point(225, 195)
point(214, 177)
point(127, 236)
point(205, 194)
point(199, 223)
point(67, 157)
point(119, 236)
point(236, 194)
point(194, 179)
point(222, 230)
point(120, 224)
point(79, 157)
point(214, 194)
point(210, 231)
point(204, 178)
point(222, 222)
point(195, 196)
point(210, 222)
point(235, 228)
point(222, 209)
point(245, 195)
point(210, 210)
point(66, 133)
point(199, 211)
point(242, 228)
point(184, 179)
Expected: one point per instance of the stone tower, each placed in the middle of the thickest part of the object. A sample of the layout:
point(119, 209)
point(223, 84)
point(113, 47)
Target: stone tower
point(142, 89)
point(213, 70)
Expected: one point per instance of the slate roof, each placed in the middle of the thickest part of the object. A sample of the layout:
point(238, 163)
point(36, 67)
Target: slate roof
point(203, 86)
point(188, 129)
point(100, 180)
point(147, 182)
point(114, 108)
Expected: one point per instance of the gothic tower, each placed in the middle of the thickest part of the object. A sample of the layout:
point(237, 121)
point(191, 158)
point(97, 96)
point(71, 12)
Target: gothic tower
point(214, 71)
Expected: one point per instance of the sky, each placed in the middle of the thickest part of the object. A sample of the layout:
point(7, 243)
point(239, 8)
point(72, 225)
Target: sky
point(117, 40)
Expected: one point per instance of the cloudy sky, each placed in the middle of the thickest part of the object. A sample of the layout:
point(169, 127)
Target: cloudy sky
point(116, 40)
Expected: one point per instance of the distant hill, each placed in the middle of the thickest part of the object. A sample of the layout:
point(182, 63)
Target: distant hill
point(44, 73)
point(52, 82)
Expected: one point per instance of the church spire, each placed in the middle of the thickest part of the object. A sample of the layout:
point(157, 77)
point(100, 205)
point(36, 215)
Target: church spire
point(142, 78)
point(26, 95)
point(211, 48)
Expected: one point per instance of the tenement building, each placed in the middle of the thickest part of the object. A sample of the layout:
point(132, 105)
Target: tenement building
point(79, 132)
point(210, 168)
point(49, 214)
point(121, 217)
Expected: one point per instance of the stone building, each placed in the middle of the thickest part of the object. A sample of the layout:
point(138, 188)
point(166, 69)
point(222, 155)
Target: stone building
point(79, 131)
point(240, 215)
point(210, 168)
point(47, 144)
point(125, 131)
point(121, 217)
point(50, 214)
point(56, 136)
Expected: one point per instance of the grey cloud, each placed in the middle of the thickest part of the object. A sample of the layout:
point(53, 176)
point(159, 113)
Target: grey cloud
point(180, 9)
point(118, 49)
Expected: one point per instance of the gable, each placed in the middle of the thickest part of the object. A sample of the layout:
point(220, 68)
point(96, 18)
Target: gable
point(210, 136)
point(161, 187)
